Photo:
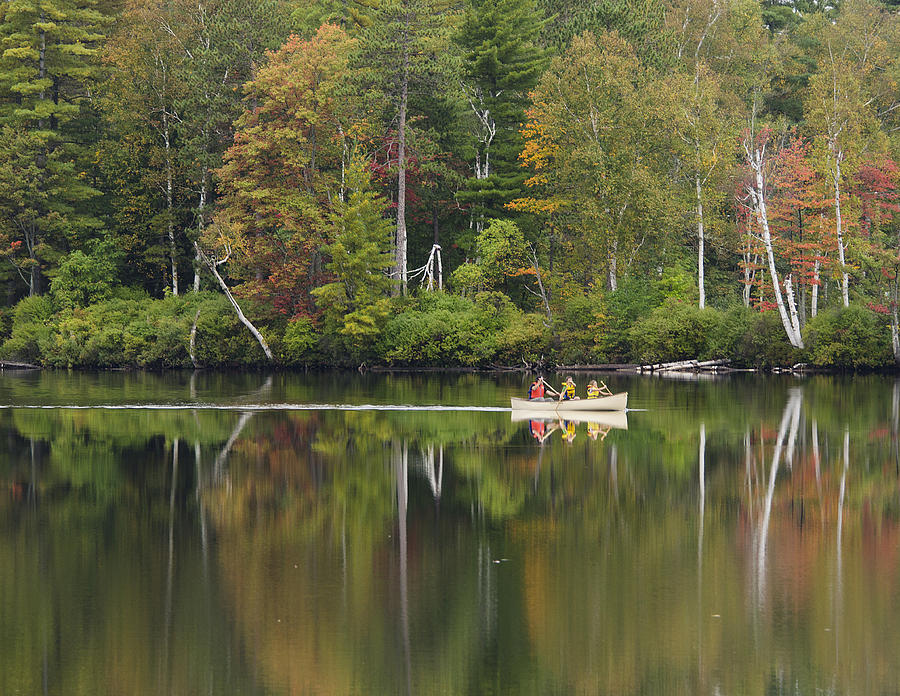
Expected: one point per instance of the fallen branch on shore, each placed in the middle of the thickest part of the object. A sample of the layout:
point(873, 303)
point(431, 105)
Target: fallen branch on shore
point(603, 367)
point(9, 365)
point(687, 366)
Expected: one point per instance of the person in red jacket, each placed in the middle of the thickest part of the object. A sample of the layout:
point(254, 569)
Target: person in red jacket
point(538, 389)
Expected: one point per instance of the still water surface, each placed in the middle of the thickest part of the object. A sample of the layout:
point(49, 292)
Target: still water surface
point(740, 537)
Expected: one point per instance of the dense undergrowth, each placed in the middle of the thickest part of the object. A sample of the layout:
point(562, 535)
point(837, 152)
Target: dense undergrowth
point(129, 329)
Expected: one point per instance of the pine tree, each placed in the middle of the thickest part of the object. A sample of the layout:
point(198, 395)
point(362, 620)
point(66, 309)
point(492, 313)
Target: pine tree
point(349, 15)
point(46, 60)
point(640, 22)
point(502, 62)
point(46, 68)
point(355, 303)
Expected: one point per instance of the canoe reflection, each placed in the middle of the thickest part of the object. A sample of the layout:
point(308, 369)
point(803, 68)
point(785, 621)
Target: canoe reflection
point(544, 423)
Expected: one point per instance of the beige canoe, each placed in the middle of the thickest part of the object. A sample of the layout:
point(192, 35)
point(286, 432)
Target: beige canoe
point(616, 402)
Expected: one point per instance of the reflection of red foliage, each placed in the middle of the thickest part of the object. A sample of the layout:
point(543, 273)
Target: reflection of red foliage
point(879, 434)
point(880, 541)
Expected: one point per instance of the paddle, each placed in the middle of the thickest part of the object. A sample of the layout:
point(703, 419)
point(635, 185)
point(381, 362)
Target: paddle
point(548, 388)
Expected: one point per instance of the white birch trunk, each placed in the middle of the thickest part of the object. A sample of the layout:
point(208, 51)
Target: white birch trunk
point(756, 159)
point(401, 172)
point(201, 211)
point(845, 277)
point(700, 275)
point(170, 223)
point(745, 293)
point(895, 329)
point(792, 307)
point(814, 303)
point(613, 265)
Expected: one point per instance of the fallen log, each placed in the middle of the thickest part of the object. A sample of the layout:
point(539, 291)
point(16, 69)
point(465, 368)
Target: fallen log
point(602, 367)
point(9, 365)
point(684, 365)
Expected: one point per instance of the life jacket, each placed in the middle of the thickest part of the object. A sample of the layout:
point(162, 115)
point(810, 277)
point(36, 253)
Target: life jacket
point(568, 391)
point(537, 429)
point(536, 390)
point(593, 392)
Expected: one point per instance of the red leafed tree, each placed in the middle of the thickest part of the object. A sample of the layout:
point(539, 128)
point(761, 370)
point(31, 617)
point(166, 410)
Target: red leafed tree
point(876, 188)
point(799, 205)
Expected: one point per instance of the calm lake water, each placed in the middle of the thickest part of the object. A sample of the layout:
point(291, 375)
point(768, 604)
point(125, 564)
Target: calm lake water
point(179, 534)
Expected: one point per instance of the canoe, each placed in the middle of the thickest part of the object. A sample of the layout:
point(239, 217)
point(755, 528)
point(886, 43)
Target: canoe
point(603, 419)
point(616, 402)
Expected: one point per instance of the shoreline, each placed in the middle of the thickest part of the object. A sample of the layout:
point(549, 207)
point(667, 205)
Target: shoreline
point(624, 369)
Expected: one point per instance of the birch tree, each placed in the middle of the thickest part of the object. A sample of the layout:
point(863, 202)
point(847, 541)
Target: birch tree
point(140, 96)
point(221, 45)
point(757, 152)
point(594, 164)
point(839, 114)
point(694, 110)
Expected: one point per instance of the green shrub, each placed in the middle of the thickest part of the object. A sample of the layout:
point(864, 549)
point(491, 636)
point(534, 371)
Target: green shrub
point(526, 338)
point(300, 338)
point(221, 338)
point(129, 331)
point(438, 329)
point(494, 310)
point(674, 331)
point(754, 339)
point(848, 338)
point(82, 280)
point(619, 311)
point(578, 327)
point(467, 278)
point(31, 330)
point(37, 309)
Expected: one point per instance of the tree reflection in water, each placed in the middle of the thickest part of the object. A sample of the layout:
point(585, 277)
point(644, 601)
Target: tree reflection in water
point(448, 552)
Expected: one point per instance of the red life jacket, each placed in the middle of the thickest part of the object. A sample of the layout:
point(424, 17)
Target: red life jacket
point(536, 390)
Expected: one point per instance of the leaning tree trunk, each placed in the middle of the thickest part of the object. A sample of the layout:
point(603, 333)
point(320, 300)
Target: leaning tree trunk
point(756, 159)
point(211, 265)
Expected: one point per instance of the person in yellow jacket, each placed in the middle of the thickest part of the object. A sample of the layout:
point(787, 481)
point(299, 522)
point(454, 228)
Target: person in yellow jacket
point(567, 392)
point(595, 392)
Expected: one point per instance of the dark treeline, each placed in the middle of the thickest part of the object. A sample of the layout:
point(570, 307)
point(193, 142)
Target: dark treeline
point(437, 182)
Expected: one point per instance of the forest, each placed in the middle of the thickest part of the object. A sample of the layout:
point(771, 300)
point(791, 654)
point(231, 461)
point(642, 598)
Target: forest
point(449, 182)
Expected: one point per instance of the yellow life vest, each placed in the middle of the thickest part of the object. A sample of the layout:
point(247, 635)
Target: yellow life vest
point(593, 392)
point(568, 390)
